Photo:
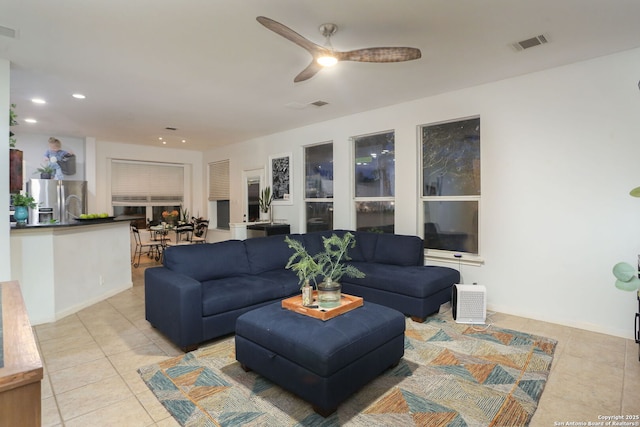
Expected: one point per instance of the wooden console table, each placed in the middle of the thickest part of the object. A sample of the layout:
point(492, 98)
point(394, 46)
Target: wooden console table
point(21, 372)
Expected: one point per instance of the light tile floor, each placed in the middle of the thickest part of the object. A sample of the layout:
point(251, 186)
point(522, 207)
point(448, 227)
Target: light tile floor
point(91, 358)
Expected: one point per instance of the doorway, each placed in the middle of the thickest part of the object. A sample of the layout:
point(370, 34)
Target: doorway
point(252, 184)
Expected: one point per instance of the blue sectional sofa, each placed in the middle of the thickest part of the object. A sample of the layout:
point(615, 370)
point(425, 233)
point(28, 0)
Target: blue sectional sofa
point(201, 290)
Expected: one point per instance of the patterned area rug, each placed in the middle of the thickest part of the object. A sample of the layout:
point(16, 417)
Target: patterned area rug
point(451, 375)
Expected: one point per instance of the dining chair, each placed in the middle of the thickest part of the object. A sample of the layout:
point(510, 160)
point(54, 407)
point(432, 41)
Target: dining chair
point(153, 247)
point(184, 234)
point(200, 231)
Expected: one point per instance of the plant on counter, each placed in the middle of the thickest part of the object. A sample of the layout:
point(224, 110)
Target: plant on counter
point(302, 263)
point(24, 200)
point(45, 171)
point(265, 199)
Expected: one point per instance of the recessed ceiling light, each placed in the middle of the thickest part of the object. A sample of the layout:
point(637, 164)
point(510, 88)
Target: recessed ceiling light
point(38, 101)
point(164, 142)
point(30, 121)
point(78, 96)
point(184, 141)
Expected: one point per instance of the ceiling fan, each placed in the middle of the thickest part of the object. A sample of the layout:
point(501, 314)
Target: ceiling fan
point(324, 56)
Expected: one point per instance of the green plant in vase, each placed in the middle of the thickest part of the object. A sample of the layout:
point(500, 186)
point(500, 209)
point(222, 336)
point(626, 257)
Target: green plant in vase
point(333, 268)
point(46, 171)
point(21, 204)
point(305, 267)
point(264, 201)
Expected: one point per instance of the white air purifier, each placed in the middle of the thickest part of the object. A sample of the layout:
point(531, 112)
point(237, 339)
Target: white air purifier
point(469, 304)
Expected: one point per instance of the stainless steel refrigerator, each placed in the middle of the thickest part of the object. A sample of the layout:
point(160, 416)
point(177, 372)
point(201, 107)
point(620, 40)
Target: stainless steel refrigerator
point(59, 201)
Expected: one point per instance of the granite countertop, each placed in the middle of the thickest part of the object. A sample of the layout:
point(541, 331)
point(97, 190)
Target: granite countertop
point(75, 223)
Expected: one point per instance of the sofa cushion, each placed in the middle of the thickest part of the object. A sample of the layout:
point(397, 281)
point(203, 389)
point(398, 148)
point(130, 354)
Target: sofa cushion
point(268, 253)
point(227, 294)
point(365, 246)
point(314, 242)
point(208, 261)
point(415, 281)
point(398, 249)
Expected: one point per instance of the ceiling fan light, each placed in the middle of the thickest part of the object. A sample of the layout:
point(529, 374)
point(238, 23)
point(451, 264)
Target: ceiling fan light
point(327, 60)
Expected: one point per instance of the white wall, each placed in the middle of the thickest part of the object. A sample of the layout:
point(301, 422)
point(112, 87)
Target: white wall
point(560, 153)
point(5, 249)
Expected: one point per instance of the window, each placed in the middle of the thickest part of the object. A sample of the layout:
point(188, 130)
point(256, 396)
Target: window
point(219, 192)
point(374, 177)
point(142, 190)
point(451, 186)
point(318, 194)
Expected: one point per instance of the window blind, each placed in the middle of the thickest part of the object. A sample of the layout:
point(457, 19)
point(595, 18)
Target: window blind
point(219, 180)
point(145, 182)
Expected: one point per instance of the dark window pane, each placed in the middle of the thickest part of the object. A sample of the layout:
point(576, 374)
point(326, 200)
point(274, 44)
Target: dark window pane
point(375, 216)
point(319, 216)
point(451, 226)
point(135, 213)
point(375, 165)
point(222, 212)
point(319, 171)
point(451, 158)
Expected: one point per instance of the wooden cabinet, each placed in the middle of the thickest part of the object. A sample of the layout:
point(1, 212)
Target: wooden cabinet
point(21, 369)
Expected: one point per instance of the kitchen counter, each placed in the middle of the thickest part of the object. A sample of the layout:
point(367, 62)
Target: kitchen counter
point(76, 223)
point(63, 268)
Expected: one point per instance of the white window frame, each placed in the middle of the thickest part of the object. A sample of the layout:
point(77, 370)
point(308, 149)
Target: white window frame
point(149, 201)
point(356, 199)
point(219, 191)
point(304, 184)
point(438, 254)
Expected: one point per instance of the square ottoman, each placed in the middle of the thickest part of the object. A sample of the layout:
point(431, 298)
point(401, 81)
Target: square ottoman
point(323, 362)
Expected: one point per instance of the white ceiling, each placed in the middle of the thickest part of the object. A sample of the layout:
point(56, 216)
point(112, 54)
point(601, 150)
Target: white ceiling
point(209, 69)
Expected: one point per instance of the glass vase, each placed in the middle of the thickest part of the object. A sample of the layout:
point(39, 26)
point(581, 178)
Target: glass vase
point(329, 293)
point(307, 294)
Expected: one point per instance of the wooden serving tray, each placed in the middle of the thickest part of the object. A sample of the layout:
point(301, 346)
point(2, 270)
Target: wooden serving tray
point(348, 303)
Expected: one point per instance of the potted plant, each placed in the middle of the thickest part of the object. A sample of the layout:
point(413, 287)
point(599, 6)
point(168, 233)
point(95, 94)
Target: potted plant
point(333, 268)
point(46, 171)
point(328, 264)
point(305, 267)
point(264, 201)
point(21, 204)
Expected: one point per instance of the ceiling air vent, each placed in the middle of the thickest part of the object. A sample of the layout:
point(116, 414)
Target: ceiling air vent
point(319, 103)
point(532, 42)
point(7, 32)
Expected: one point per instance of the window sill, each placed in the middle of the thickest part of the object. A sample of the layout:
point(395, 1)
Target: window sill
point(445, 256)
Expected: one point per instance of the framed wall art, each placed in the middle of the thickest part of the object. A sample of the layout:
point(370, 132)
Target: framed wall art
point(280, 178)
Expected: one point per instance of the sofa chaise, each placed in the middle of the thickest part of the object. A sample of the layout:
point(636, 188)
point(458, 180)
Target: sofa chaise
point(200, 290)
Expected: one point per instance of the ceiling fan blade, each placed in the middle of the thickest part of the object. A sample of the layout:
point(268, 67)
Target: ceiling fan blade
point(308, 72)
point(290, 35)
point(381, 54)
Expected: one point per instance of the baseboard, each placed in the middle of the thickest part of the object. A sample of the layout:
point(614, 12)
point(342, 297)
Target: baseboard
point(72, 310)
